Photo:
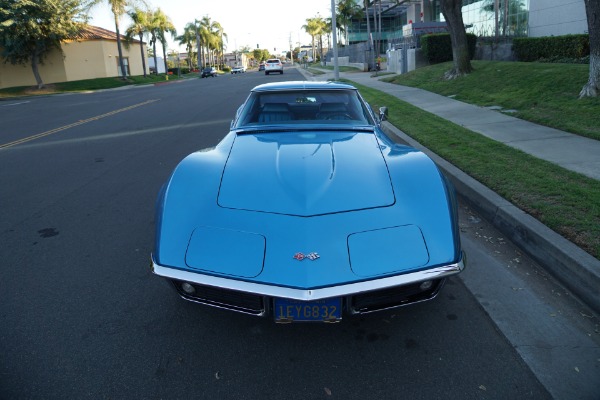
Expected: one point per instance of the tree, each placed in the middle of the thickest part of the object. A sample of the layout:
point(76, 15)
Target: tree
point(161, 25)
point(325, 30)
point(139, 27)
point(30, 30)
point(261, 54)
point(592, 87)
point(118, 9)
point(218, 36)
point(458, 37)
point(212, 36)
point(312, 28)
point(188, 38)
point(153, 38)
point(347, 10)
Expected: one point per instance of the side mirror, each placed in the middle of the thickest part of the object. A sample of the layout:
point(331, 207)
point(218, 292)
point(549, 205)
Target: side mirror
point(383, 114)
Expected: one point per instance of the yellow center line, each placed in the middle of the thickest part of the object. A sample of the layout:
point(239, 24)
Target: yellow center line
point(80, 122)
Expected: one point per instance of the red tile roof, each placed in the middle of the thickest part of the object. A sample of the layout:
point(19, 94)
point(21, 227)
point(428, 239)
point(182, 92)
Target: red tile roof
point(90, 32)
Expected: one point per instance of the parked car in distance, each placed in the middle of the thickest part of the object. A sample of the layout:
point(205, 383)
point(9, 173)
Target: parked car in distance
point(307, 210)
point(261, 66)
point(273, 65)
point(209, 71)
point(238, 70)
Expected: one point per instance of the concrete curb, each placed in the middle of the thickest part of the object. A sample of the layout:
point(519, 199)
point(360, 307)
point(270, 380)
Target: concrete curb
point(577, 270)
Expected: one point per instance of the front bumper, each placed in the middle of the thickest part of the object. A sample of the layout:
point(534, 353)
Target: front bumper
point(359, 297)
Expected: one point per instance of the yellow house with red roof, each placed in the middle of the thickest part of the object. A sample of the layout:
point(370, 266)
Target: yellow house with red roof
point(93, 54)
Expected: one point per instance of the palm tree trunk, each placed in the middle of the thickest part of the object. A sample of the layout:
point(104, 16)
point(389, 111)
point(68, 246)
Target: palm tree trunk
point(120, 50)
point(165, 59)
point(155, 58)
point(142, 54)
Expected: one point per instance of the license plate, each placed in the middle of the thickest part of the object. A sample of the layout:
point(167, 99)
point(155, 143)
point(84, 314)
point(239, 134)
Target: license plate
point(326, 310)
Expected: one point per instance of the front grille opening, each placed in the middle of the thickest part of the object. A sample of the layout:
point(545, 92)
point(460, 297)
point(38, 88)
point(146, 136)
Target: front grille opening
point(243, 302)
point(398, 296)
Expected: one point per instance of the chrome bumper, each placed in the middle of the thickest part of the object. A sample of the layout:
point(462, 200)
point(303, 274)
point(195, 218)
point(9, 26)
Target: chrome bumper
point(309, 294)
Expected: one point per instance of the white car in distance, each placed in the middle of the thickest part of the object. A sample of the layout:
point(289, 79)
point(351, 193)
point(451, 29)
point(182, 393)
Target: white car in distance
point(273, 65)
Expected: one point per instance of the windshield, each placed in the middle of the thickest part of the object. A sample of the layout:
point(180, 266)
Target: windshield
point(304, 107)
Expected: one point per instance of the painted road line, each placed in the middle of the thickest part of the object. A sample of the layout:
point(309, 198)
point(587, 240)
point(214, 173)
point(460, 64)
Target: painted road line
point(81, 122)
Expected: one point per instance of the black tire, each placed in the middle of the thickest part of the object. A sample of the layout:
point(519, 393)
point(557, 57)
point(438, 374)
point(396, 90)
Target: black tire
point(266, 73)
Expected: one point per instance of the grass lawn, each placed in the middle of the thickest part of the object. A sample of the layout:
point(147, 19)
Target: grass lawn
point(544, 93)
point(565, 201)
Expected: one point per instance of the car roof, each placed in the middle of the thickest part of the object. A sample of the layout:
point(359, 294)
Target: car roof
point(302, 85)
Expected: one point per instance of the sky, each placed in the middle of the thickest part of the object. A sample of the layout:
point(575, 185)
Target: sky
point(269, 24)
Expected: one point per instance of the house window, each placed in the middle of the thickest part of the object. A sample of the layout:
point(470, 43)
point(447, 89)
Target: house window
point(125, 65)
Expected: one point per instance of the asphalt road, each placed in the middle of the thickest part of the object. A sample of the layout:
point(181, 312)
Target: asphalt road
point(81, 315)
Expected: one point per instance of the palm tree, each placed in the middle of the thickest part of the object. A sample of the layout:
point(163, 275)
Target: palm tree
point(118, 9)
point(140, 26)
point(211, 34)
point(188, 38)
point(204, 33)
point(161, 25)
point(218, 34)
point(152, 32)
point(312, 28)
point(325, 30)
point(347, 10)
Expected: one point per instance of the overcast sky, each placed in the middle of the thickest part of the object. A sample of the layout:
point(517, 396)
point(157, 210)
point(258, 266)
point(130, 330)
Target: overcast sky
point(271, 24)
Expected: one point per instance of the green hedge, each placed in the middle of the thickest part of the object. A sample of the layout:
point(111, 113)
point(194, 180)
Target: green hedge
point(437, 47)
point(552, 48)
point(184, 70)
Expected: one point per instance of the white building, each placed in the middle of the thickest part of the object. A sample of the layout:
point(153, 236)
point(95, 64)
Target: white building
point(161, 64)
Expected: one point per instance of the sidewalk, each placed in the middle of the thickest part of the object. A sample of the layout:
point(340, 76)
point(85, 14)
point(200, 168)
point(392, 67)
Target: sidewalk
point(576, 269)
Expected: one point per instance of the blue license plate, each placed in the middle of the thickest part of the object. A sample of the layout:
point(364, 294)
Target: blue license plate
point(326, 310)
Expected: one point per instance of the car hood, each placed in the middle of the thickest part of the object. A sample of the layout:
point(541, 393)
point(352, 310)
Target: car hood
point(305, 173)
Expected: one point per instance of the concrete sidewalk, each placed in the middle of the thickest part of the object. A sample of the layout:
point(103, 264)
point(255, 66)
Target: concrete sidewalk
point(575, 268)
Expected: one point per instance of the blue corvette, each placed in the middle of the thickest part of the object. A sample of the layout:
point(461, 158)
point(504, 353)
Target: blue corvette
point(307, 211)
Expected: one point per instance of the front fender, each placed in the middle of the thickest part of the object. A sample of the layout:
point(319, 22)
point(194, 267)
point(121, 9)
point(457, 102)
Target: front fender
point(190, 192)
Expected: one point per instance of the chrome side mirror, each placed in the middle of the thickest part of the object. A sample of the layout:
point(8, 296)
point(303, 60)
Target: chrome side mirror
point(383, 114)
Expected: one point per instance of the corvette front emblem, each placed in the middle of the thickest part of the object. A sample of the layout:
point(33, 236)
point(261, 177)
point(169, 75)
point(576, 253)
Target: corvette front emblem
point(311, 256)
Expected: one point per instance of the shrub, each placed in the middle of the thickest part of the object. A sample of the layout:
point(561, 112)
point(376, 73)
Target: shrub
point(552, 48)
point(173, 71)
point(437, 47)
